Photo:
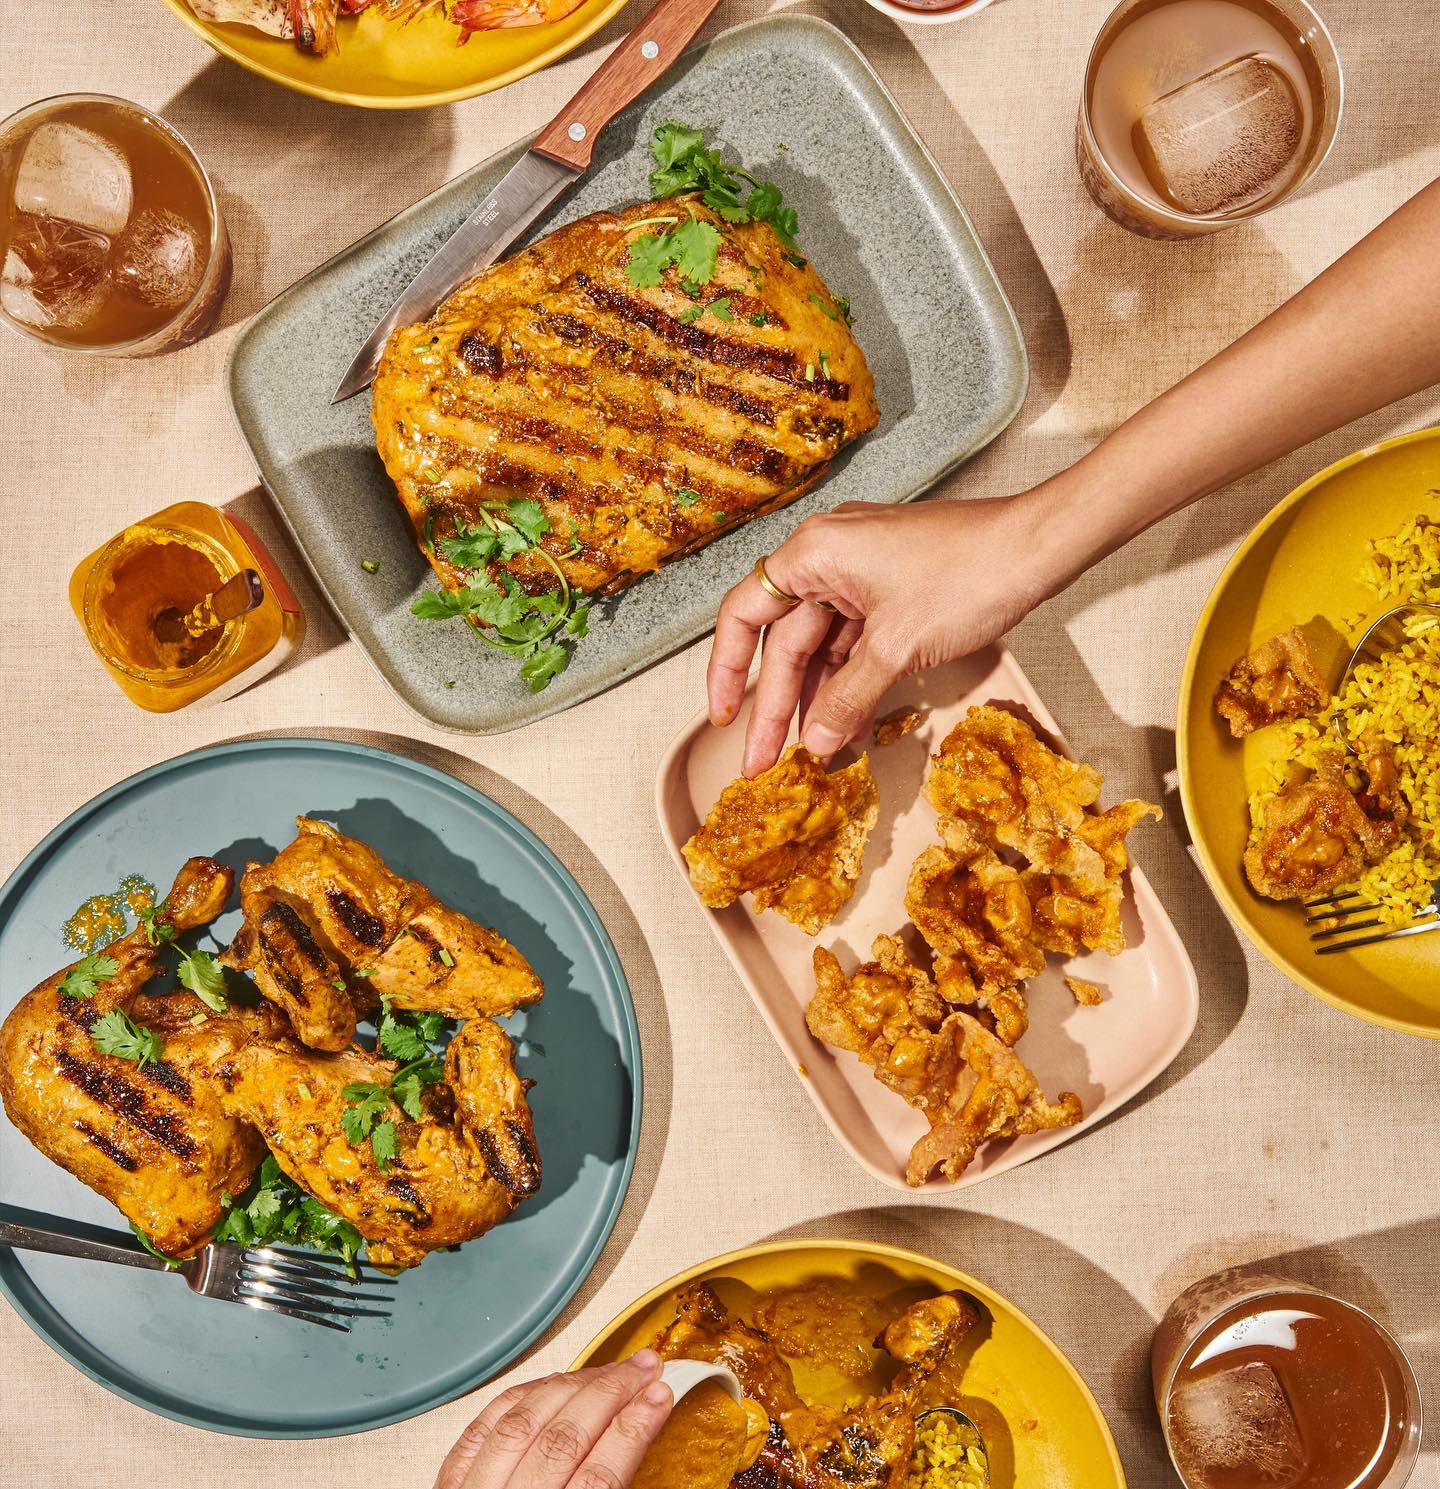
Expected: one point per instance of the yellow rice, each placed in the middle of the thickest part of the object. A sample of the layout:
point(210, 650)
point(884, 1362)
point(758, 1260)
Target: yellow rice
point(946, 1456)
point(1399, 700)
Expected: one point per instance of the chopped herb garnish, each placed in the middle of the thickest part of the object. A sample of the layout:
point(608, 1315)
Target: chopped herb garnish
point(338, 983)
point(365, 1116)
point(759, 319)
point(445, 957)
point(87, 974)
point(158, 932)
point(809, 372)
point(369, 565)
point(205, 977)
point(119, 1035)
point(691, 314)
point(842, 304)
point(682, 164)
point(829, 310)
point(684, 497)
point(796, 259)
point(448, 683)
point(276, 1209)
point(720, 309)
point(152, 1248)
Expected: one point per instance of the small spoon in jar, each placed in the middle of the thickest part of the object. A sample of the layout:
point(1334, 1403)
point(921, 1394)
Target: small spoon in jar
point(234, 598)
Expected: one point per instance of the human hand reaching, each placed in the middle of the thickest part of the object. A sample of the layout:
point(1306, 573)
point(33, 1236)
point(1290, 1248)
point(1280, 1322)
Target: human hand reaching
point(911, 587)
point(587, 1429)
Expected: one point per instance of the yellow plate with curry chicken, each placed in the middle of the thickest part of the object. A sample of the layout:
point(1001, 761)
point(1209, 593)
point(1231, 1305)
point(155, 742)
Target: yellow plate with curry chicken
point(1304, 561)
point(1040, 1423)
point(383, 63)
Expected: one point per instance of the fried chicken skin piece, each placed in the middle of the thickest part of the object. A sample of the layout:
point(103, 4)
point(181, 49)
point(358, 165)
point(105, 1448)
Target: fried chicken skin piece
point(1318, 834)
point(1086, 994)
point(330, 929)
point(972, 909)
point(1278, 680)
point(865, 1446)
point(794, 836)
point(153, 1138)
point(959, 1074)
point(461, 1168)
point(993, 780)
point(895, 725)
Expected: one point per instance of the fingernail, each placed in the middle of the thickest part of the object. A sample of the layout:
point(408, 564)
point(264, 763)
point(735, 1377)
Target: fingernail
point(822, 741)
point(657, 1394)
point(646, 1359)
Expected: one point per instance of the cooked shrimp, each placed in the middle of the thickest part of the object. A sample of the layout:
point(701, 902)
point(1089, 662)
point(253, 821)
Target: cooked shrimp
point(494, 15)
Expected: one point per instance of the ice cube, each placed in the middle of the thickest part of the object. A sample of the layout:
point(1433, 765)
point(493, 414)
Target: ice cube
point(55, 273)
point(159, 258)
point(71, 173)
point(1222, 141)
point(1238, 1418)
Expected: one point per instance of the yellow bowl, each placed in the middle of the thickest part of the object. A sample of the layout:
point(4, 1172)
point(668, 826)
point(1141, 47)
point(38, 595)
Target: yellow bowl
point(1303, 561)
point(383, 64)
point(1040, 1422)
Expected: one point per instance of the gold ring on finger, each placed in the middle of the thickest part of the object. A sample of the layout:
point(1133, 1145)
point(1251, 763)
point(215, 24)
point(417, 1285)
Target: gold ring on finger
point(771, 588)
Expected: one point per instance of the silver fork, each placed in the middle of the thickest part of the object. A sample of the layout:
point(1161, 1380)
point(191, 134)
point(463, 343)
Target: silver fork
point(296, 1284)
point(1335, 913)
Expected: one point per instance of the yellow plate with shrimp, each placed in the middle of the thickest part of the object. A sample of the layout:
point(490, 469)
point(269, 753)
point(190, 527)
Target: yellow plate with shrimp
point(1303, 562)
point(1040, 1423)
point(379, 62)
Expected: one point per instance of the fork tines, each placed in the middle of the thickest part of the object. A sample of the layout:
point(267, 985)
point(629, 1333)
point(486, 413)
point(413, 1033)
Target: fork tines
point(300, 1286)
point(1336, 913)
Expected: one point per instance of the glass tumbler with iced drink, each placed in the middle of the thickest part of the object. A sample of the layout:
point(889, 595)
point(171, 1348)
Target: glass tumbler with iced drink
point(1266, 1383)
point(1198, 114)
point(111, 235)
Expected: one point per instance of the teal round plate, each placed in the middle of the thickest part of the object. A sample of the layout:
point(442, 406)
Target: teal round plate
point(463, 1315)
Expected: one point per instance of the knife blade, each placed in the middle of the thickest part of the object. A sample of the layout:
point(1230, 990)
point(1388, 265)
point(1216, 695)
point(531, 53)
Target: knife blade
point(559, 155)
point(524, 192)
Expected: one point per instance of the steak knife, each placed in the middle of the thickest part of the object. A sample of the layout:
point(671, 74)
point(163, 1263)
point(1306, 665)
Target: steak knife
point(560, 154)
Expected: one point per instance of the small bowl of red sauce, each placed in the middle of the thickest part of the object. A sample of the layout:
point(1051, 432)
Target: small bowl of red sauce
point(929, 12)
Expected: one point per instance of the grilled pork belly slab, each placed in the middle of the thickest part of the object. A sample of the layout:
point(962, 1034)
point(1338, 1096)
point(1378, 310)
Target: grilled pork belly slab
point(645, 422)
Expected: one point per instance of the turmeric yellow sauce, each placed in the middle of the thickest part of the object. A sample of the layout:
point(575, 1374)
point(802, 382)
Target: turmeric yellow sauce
point(160, 571)
point(101, 919)
point(705, 1442)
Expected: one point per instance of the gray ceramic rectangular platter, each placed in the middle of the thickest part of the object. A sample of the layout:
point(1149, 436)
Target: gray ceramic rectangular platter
point(793, 100)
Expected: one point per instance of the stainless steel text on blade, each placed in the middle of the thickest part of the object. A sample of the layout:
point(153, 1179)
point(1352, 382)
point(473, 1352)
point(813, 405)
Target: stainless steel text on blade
point(523, 193)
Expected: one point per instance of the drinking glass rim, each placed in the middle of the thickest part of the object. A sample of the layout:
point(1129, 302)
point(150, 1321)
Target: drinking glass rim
point(217, 226)
point(1278, 1287)
point(1169, 214)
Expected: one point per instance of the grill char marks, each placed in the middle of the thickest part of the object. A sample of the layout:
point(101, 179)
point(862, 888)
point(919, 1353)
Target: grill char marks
point(511, 1158)
point(109, 1147)
point(126, 1102)
point(368, 929)
point(286, 943)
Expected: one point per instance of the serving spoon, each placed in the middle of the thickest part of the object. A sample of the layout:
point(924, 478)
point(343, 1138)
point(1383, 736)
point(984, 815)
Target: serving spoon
point(1385, 635)
point(962, 1421)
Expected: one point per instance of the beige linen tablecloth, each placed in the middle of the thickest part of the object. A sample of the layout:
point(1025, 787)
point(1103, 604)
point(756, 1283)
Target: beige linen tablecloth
point(1284, 1130)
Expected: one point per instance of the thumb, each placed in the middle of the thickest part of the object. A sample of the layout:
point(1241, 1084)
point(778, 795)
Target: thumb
point(846, 702)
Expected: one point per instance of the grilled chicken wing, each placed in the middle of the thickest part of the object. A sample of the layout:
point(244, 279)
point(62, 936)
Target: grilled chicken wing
point(866, 1446)
point(154, 1138)
point(461, 1168)
point(329, 929)
point(643, 421)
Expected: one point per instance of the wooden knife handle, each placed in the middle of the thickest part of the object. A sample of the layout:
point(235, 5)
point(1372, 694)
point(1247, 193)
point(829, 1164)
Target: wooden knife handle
point(646, 54)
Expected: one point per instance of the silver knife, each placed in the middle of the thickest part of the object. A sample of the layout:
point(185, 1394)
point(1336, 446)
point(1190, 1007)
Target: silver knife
point(559, 155)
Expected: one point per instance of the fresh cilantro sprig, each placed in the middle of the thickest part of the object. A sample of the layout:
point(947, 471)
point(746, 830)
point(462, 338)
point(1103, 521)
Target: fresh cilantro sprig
point(199, 970)
point(505, 616)
point(277, 1209)
point(82, 980)
point(366, 1116)
point(691, 248)
point(116, 1033)
point(152, 1248)
point(408, 1036)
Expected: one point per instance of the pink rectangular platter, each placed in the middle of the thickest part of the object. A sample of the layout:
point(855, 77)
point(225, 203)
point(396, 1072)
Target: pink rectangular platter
point(1105, 1054)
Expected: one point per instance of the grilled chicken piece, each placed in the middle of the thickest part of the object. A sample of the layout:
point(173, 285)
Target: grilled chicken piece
point(642, 428)
point(1278, 680)
point(329, 929)
point(1318, 834)
point(153, 1139)
point(461, 1168)
point(866, 1446)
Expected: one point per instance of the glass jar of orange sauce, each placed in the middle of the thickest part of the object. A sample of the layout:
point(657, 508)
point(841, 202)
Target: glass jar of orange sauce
point(169, 563)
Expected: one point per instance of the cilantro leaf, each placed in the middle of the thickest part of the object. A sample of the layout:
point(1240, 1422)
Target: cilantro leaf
point(579, 622)
point(205, 977)
point(696, 246)
point(529, 518)
point(400, 1040)
point(673, 142)
point(278, 1209)
point(152, 1248)
point(157, 932)
point(650, 256)
point(684, 497)
point(384, 1143)
point(471, 547)
point(548, 662)
point(763, 205)
point(691, 314)
point(720, 309)
point(87, 974)
point(438, 604)
point(119, 1035)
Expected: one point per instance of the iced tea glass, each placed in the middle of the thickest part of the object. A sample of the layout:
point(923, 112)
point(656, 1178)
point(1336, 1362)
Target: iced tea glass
point(1227, 63)
point(111, 236)
point(1260, 1422)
